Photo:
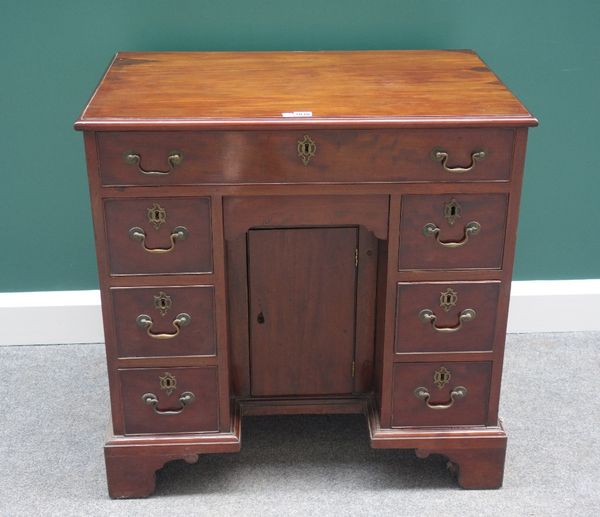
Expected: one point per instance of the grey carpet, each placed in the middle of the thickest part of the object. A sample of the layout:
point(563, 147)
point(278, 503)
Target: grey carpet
point(53, 409)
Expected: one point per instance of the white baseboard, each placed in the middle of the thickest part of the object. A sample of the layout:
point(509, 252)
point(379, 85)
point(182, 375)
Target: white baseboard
point(554, 306)
point(38, 318)
point(42, 318)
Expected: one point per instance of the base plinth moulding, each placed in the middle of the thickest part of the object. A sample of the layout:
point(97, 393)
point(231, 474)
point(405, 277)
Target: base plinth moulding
point(476, 454)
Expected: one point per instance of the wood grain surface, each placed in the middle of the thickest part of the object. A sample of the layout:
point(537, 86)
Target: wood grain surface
point(128, 256)
point(220, 87)
point(198, 338)
point(412, 335)
point(350, 156)
point(408, 410)
point(274, 237)
point(483, 250)
point(202, 415)
point(302, 309)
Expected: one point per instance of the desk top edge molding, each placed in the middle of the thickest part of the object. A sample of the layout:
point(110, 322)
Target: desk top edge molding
point(393, 90)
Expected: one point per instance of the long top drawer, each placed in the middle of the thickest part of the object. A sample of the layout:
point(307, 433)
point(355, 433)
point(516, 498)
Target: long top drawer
point(310, 156)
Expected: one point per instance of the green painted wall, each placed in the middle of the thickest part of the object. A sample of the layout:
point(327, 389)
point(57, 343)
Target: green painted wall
point(53, 53)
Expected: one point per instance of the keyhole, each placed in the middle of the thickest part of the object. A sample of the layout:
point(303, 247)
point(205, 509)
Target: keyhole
point(453, 210)
point(260, 318)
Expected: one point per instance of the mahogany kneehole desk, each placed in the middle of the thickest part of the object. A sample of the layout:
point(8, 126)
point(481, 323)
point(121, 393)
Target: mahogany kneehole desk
point(306, 232)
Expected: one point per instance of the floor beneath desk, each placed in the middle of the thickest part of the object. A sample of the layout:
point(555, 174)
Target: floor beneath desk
point(54, 407)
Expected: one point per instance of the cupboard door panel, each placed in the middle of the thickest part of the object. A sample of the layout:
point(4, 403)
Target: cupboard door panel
point(302, 310)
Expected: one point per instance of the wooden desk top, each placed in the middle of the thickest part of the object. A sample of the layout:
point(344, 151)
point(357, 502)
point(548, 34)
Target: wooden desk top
point(341, 89)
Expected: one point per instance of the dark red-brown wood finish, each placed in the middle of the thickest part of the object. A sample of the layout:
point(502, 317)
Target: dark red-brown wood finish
point(302, 311)
point(255, 260)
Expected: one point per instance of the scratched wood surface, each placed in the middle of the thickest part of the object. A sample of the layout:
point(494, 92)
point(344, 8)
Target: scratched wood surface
point(389, 87)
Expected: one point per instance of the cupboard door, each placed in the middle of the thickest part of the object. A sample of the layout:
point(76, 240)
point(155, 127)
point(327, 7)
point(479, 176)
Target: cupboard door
point(302, 310)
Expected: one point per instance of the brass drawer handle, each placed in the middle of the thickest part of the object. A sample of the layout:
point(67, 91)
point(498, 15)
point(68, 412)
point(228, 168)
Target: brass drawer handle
point(179, 233)
point(174, 158)
point(145, 322)
point(186, 398)
point(457, 393)
point(431, 230)
point(439, 155)
point(427, 316)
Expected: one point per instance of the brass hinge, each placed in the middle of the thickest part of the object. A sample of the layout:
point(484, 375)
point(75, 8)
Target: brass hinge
point(356, 257)
point(353, 368)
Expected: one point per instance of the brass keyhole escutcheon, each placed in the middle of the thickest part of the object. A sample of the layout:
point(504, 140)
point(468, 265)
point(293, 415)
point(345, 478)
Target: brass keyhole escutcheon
point(157, 215)
point(162, 302)
point(452, 211)
point(441, 377)
point(448, 299)
point(168, 383)
point(306, 149)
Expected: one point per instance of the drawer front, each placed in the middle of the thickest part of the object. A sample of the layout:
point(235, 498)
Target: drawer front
point(174, 400)
point(446, 317)
point(310, 156)
point(440, 394)
point(452, 231)
point(159, 236)
point(164, 321)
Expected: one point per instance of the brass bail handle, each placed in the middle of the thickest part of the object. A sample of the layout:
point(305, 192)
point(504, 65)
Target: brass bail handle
point(428, 316)
point(174, 159)
point(145, 322)
point(457, 393)
point(432, 230)
point(186, 398)
point(440, 155)
point(179, 233)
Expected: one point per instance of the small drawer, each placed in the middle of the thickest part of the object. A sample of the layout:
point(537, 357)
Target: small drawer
point(307, 156)
point(446, 317)
point(174, 400)
point(164, 321)
point(158, 235)
point(440, 394)
point(452, 231)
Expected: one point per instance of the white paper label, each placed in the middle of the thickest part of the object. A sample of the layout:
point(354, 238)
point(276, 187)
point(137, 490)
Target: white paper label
point(297, 114)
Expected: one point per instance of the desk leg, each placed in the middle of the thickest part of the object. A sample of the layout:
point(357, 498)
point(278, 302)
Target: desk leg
point(477, 468)
point(135, 476)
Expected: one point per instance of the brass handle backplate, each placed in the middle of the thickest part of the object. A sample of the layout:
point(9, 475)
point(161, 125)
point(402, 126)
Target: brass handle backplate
point(439, 155)
point(432, 230)
point(145, 322)
point(186, 398)
point(174, 159)
point(179, 233)
point(457, 393)
point(428, 316)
